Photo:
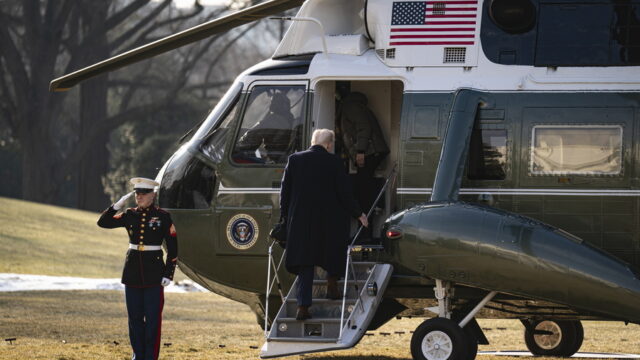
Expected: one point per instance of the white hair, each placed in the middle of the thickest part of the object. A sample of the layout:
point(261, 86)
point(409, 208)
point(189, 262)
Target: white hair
point(322, 137)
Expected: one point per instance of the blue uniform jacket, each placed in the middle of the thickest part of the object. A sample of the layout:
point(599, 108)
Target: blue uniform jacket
point(150, 226)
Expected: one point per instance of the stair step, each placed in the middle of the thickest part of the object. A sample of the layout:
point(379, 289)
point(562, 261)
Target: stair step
point(320, 301)
point(304, 339)
point(312, 320)
point(341, 282)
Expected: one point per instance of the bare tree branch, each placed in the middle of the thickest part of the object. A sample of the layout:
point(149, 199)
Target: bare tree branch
point(8, 102)
point(14, 64)
point(109, 125)
point(143, 37)
point(120, 16)
point(33, 25)
point(224, 49)
point(115, 44)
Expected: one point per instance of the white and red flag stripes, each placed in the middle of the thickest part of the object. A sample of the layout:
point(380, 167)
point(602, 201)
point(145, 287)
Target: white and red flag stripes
point(433, 22)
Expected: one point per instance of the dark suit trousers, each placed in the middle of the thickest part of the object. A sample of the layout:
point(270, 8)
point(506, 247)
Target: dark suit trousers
point(144, 307)
point(366, 190)
point(305, 285)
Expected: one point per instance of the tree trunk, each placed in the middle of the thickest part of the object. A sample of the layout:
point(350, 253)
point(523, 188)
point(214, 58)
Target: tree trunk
point(93, 110)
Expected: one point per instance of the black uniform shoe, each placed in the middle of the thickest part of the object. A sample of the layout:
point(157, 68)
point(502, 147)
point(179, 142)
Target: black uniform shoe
point(303, 313)
point(332, 288)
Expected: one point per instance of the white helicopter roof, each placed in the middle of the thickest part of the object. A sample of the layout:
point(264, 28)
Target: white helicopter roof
point(427, 45)
point(406, 33)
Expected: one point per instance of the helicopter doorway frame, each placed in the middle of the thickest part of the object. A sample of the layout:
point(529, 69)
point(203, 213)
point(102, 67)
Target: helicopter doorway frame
point(385, 100)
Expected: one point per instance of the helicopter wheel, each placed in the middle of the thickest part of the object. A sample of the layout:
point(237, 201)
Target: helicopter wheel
point(472, 343)
point(554, 338)
point(440, 339)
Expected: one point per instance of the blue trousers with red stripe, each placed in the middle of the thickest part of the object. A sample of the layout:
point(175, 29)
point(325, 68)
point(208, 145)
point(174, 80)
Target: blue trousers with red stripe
point(144, 307)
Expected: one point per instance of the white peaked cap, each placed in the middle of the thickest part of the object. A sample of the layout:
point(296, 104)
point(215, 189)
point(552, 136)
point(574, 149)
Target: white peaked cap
point(143, 183)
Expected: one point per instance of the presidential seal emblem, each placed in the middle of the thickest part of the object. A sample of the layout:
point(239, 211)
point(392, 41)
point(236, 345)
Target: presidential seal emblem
point(242, 231)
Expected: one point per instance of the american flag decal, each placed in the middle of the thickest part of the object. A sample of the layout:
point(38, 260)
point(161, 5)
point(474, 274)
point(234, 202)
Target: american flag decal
point(433, 22)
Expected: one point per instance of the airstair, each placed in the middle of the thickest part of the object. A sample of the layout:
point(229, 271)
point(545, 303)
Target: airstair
point(335, 324)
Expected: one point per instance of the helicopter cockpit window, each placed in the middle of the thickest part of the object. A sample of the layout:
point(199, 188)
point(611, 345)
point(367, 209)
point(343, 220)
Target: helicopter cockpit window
point(272, 125)
point(582, 150)
point(488, 154)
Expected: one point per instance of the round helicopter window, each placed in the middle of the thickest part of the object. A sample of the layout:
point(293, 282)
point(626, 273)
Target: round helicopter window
point(513, 16)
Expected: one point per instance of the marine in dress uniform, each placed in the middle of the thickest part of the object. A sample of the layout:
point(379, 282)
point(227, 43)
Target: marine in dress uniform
point(145, 272)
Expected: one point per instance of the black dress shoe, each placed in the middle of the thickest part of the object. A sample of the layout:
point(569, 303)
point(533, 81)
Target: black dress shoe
point(303, 313)
point(332, 288)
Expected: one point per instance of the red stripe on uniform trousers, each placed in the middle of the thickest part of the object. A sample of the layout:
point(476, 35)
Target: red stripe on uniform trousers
point(156, 348)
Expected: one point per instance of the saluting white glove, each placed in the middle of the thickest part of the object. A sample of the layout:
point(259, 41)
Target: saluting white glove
point(165, 282)
point(120, 203)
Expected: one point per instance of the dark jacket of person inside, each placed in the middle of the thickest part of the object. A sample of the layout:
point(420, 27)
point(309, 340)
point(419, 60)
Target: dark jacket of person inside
point(316, 200)
point(366, 147)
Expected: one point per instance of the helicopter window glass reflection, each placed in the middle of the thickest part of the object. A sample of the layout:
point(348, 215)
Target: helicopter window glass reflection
point(587, 150)
point(214, 143)
point(187, 183)
point(272, 125)
point(488, 154)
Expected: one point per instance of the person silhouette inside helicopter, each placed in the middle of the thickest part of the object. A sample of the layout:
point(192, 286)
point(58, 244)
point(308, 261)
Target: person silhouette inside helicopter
point(365, 146)
point(270, 140)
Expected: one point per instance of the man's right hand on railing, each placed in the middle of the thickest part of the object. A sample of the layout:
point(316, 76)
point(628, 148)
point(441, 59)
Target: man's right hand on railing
point(363, 220)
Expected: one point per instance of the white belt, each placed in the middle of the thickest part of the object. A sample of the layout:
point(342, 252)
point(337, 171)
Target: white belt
point(145, 247)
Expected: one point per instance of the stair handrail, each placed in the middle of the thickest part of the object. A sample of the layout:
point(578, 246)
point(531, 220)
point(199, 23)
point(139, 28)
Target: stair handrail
point(271, 283)
point(349, 264)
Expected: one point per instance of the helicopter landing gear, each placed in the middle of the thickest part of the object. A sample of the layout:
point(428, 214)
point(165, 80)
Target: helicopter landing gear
point(441, 338)
point(553, 337)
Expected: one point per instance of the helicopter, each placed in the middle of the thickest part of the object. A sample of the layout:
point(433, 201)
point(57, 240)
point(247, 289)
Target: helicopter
point(512, 187)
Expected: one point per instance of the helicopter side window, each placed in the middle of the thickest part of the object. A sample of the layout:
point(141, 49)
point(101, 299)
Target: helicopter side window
point(488, 154)
point(214, 143)
point(581, 150)
point(272, 125)
point(187, 183)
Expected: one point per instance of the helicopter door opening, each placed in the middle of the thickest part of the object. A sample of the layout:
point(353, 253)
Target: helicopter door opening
point(384, 99)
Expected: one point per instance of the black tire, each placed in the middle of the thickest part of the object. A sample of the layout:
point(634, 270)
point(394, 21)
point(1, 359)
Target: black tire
point(577, 341)
point(472, 343)
point(563, 340)
point(449, 338)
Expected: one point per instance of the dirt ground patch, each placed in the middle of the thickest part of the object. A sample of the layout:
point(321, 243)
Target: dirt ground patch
point(74, 325)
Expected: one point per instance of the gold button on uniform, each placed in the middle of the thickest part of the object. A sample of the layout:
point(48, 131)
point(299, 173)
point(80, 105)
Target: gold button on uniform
point(141, 225)
point(140, 242)
point(141, 237)
point(142, 231)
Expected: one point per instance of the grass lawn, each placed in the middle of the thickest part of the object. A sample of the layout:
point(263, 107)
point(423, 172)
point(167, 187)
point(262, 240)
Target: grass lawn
point(50, 240)
point(68, 325)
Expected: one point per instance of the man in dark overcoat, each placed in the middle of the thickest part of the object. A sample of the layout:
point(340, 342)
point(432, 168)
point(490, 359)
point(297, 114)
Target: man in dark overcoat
point(316, 200)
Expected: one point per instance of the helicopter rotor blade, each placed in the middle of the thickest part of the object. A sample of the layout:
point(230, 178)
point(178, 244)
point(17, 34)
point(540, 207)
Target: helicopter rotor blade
point(175, 41)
